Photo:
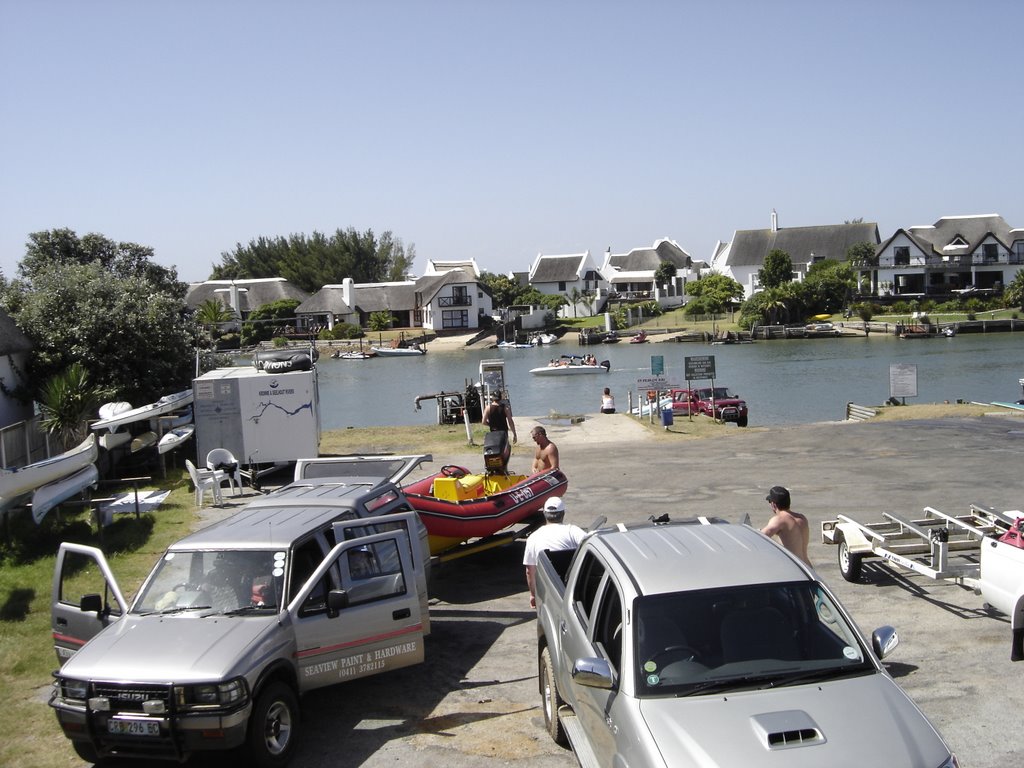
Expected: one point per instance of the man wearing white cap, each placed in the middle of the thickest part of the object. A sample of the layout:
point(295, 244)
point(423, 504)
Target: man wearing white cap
point(553, 536)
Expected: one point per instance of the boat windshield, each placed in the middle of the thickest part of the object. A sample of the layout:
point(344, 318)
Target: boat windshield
point(762, 635)
point(221, 581)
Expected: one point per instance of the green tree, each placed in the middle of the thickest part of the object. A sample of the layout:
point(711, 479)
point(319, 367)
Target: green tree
point(67, 401)
point(665, 273)
point(828, 286)
point(269, 320)
point(777, 269)
point(1013, 296)
point(317, 260)
point(862, 255)
point(505, 291)
point(103, 305)
point(574, 297)
point(212, 313)
point(380, 321)
point(712, 293)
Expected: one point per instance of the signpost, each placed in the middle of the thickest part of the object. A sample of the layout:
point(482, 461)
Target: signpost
point(700, 367)
point(902, 381)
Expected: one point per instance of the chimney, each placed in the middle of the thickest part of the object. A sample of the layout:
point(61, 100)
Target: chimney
point(775, 221)
point(346, 291)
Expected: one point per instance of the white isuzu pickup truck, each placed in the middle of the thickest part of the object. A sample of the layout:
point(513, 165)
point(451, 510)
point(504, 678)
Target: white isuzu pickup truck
point(702, 643)
point(320, 582)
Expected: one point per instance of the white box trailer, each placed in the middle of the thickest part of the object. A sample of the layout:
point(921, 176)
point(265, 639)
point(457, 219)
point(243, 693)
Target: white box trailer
point(261, 417)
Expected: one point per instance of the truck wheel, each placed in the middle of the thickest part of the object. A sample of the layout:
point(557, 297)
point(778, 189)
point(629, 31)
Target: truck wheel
point(741, 421)
point(86, 751)
point(849, 563)
point(273, 727)
point(550, 700)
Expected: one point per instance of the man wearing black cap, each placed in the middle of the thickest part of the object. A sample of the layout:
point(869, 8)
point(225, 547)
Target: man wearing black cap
point(791, 527)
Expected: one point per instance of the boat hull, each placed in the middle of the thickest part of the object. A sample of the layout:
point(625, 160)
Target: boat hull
point(175, 438)
point(48, 496)
point(451, 521)
point(398, 352)
point(570, 370)
point(17, 482)
point(164, 405)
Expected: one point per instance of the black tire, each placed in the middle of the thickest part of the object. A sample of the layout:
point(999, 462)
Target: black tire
point(741, 421)
point(849, 563)
point(85, 751)
point(551, 701)
point(273, 727)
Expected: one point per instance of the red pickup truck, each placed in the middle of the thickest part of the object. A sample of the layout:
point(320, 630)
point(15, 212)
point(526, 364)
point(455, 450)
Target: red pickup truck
point(717, 402)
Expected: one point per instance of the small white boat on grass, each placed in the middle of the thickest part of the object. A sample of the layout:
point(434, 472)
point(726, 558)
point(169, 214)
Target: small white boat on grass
point(571, 365)
point(48, 496)
point(17, 482)
point(164, 405)
point(174, 438)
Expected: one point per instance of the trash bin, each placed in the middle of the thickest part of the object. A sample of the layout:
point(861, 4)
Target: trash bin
point(666, 417)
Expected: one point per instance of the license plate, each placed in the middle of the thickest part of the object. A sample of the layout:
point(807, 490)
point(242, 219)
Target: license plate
point(133, 727)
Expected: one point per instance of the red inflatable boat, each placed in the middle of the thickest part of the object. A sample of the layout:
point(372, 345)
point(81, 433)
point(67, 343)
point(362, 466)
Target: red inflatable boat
point(456, 505)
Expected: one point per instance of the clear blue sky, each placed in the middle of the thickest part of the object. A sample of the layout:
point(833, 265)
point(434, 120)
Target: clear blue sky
point(497, 130)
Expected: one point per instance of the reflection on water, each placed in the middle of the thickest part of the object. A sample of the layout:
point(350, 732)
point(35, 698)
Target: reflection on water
point(784, 382)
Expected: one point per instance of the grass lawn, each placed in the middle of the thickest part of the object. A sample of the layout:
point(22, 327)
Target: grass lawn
point(31, 734)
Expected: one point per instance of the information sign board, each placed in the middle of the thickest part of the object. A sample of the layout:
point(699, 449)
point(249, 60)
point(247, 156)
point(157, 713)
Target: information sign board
point(700, 367)
point(902, 380)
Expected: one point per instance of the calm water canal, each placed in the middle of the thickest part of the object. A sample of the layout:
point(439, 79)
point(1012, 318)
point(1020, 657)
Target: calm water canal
point(783, 381)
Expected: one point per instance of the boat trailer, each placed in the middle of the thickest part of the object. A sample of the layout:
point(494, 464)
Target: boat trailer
point(982, 550)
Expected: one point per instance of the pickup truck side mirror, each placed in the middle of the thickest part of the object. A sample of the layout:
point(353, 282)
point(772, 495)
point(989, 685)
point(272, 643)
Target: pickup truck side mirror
point(593, 672)
point(884, 641)
point(337, 601)
point(91, 603)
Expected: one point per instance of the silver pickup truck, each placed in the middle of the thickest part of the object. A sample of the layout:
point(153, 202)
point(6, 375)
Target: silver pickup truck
point(702, 643)
point(320, 582)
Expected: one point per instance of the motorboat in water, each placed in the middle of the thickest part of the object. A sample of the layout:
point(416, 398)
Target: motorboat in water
point(413, 351)
point(569, 365)
point(544, 338)
point(17, 482)
point(515, 345)
point(457, 505)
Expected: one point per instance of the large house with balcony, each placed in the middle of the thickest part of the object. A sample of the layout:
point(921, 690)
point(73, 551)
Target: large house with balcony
point(955, 254)
point(631, 276)
point(453, 300)
point(743, 257)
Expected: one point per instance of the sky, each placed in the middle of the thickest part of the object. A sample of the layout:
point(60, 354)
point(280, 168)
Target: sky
point(499, 130)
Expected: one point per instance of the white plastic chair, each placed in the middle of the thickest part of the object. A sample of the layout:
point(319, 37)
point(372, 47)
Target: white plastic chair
point(221, 457)
point(206, 480)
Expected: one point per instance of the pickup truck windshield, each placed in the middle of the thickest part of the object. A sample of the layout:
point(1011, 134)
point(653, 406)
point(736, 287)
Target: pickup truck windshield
point(760, 635)
point(223, 581)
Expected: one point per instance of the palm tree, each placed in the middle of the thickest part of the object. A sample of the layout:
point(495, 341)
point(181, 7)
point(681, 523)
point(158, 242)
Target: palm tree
point(573, 297)
point(67, 401)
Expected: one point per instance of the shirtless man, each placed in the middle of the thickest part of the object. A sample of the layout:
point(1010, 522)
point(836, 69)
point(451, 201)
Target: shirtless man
point(546, 456)
point(791, 527)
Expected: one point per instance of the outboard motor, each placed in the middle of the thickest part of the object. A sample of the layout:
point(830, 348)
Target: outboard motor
point(497, 451)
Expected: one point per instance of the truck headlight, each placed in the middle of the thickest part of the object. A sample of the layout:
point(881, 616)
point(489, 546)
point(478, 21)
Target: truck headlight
point(211, 695)
point(73, 689)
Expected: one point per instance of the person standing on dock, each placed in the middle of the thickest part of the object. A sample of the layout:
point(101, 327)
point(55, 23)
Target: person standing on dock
point(498, 416)
point(791, 527)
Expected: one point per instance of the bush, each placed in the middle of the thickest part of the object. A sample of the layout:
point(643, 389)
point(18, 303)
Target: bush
point(900, 308)
point(279, 341)
point(347, 331)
